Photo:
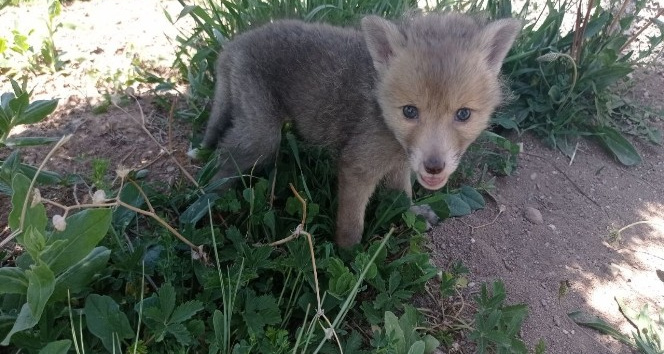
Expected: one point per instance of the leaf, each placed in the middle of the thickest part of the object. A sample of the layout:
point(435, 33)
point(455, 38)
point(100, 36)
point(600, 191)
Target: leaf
point(437, 203)
point(417, 348)
point(430, 343)
point(457, 206)
point(259, 312)
point(599, 324)
point(198, 209)
point(618, 145)
point(57, 347)
point(44, 177)
point(41, 283)
point(180, 332)
point(78, 276)
point(84, 231)
point(394, 331)
point(36, 111)
point(13, 280)
point(105, 320)
point(40, 287)
point(130, 195)
point(166, 299)
point(34, 215)
point(34, 242)
point(29, 141)
point(185, 311)
point(473, 198)
point(24, 320)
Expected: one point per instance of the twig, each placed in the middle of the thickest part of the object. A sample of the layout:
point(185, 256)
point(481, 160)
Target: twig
point(168, 151)
point(618, 16)
point(299, 230)
point(28, 198)
point(637, 34)
point(501, 209)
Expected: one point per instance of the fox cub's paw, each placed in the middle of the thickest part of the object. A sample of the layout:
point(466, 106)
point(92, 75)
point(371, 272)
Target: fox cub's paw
point(200, 154)
point(428, 214)
point(194, 153)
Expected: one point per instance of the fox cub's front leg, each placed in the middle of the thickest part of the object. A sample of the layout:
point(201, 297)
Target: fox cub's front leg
point(355, 189)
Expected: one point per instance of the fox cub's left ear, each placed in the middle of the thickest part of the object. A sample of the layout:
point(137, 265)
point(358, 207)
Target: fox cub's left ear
point(383, 40)
point(498, 39)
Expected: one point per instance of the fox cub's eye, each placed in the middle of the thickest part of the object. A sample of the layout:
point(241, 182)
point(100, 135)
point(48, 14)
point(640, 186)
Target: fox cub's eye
point(462, 114)
point(410, 112)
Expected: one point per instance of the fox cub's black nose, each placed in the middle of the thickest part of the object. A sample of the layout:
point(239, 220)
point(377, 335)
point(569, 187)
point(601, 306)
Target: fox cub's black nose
point(434, 166)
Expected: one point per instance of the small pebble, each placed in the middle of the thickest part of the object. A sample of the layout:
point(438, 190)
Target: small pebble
point(533, 176)
point(556, 321)
point(533, 215)
point(552, 227)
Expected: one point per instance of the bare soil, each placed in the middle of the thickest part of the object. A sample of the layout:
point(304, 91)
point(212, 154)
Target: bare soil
point(567, 262)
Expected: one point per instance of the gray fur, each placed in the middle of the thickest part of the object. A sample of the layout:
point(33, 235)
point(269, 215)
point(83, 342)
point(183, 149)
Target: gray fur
point(329, 82)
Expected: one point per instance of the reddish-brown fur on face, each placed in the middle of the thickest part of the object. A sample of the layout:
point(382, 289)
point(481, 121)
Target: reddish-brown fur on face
point(439, 64)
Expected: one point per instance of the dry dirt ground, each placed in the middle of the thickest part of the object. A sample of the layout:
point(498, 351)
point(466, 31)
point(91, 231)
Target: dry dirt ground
point(580, 204)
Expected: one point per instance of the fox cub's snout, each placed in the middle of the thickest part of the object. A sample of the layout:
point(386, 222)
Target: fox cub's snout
point(391, 99)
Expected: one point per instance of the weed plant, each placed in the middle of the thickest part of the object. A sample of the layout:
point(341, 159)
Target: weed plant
point(17, 55)
point(564, 83)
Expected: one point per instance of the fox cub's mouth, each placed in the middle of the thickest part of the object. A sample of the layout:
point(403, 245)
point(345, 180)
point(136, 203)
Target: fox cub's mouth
point(432, 182)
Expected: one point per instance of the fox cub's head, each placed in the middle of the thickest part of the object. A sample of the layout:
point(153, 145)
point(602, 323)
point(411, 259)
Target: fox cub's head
point(438, 84)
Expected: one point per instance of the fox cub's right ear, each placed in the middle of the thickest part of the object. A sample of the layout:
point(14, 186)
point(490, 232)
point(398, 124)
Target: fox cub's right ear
point(498, 37)
point(383, 40)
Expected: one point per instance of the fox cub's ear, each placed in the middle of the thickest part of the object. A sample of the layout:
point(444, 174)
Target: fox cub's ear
point(498, 38)
point(383, 39)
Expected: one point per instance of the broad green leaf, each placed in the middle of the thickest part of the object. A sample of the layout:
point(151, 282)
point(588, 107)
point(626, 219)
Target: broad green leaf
point(130, 195)
point(57, 347)
point(618, 145)
point(29, 141)
point(198, 209)
point(41, 283)
point(437, 203)
point(458, 207)
point(84, 231)
point(394, 331)
point(473, 198)
point(34, 242)
point(180, 332)
point(44, 177)
point(431, 343)
point(166, 299)
point(18, 105)
point(13, 280)
point(106, 321)
point(40, 287)
point(259, 312)
point(417, 348)
point(25, 320)
point(599, 324)
point(36, 111)
point(78, 276)
point(34, 215)
point(185, 311)
point(219, 328)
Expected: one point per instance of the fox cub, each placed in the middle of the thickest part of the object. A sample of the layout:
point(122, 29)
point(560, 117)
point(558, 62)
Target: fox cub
point(390, 98)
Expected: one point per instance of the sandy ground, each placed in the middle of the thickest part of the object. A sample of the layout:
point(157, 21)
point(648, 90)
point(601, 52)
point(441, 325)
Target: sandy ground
point(580, 205)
